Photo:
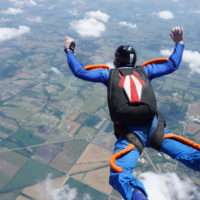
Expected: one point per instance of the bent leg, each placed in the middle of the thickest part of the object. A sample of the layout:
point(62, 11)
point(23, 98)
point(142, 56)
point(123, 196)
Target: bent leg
point(124, 182)
point(181, 152)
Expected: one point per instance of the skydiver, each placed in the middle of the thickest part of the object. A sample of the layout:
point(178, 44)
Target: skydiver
point(143, 127)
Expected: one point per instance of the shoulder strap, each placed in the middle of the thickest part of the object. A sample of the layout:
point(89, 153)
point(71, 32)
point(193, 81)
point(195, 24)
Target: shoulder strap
point(155, 61)
point(97, 66)
point(101, 66)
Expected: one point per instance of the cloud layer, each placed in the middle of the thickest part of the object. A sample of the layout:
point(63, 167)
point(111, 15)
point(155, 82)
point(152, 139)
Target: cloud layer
point(98, 15)
point(92, 25)
point(127, 24)
point(73, 12)
point(165, 186)
point(21, 3)
point(192, 58)
point(165, 14)
point(35, 19)
point(196, 11)
point(12, 11)
point(64, 192)
point(10, 33)
point(169, 186)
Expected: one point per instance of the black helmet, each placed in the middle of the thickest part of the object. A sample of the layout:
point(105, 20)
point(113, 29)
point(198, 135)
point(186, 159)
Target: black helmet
point(123, 56)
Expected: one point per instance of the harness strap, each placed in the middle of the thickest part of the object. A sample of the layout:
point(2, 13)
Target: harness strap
point(158, 135)
point(133, 139)
point(117, 155)
point(94, 67)
point(183, 140)
point(155, 61)
point(129, 136)
point(149, 62)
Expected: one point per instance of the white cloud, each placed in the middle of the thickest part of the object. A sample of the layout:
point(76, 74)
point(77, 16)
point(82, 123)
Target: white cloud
point(4, 19)
point(127, 24)
point(51, 7)
point(169, 186)
point(196, 11)
point(64, 192)
point(73, 12)
point(90, 25)
point(55, 70)
point(12, 11)
point(192, 58)
point(110, 65)
point(165, 14)
point(10, 33)
point(98, 15)
point(194, 118)
point(165, 52)
point(43, 76)
point(35, 19)
point(52, 193)
point(78, 2)
point(23, 2)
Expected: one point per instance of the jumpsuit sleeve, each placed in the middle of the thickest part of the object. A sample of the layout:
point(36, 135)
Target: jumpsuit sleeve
point(98, 75)
point(157, 70)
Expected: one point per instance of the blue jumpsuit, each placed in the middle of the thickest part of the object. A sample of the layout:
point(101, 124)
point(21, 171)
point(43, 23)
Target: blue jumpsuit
point(125, 183)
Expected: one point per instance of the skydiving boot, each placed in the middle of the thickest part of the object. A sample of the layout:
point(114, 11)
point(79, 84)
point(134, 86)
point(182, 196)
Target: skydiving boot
point(138, 195)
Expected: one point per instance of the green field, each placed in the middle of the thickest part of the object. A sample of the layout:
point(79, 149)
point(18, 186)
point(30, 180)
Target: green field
point(67, 94)
point(83, 190)
point(27, 137)
point(12, 143)
point(92, 103)
point(31, 172)
point(180, 85)
point(3, 179)
point(168, 84)
point(86, 132)
point(14, 158)
point(75, 148)
point(5, 130)
point(16, 113)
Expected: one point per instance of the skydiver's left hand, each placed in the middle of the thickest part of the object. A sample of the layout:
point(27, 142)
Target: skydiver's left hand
point(177, 35)
point(69, 44)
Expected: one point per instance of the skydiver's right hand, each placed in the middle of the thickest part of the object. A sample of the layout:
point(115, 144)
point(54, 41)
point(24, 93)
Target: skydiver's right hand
point(69, 44)
point(177, 35)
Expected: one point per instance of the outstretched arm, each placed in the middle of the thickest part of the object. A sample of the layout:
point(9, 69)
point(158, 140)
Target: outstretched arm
point(157, 70)
point(98, 75)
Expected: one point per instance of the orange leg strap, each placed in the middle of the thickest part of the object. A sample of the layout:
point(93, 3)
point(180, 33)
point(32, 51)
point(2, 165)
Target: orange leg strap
point(183, 140)
point(117, 155)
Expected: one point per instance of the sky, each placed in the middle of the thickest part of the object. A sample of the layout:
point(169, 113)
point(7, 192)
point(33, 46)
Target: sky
point(94, 22)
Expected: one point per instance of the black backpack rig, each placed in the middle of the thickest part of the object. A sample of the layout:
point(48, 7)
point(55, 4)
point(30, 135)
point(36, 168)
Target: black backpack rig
point(132, 102)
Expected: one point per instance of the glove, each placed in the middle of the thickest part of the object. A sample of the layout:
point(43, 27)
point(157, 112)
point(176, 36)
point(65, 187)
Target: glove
point(69, 44)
